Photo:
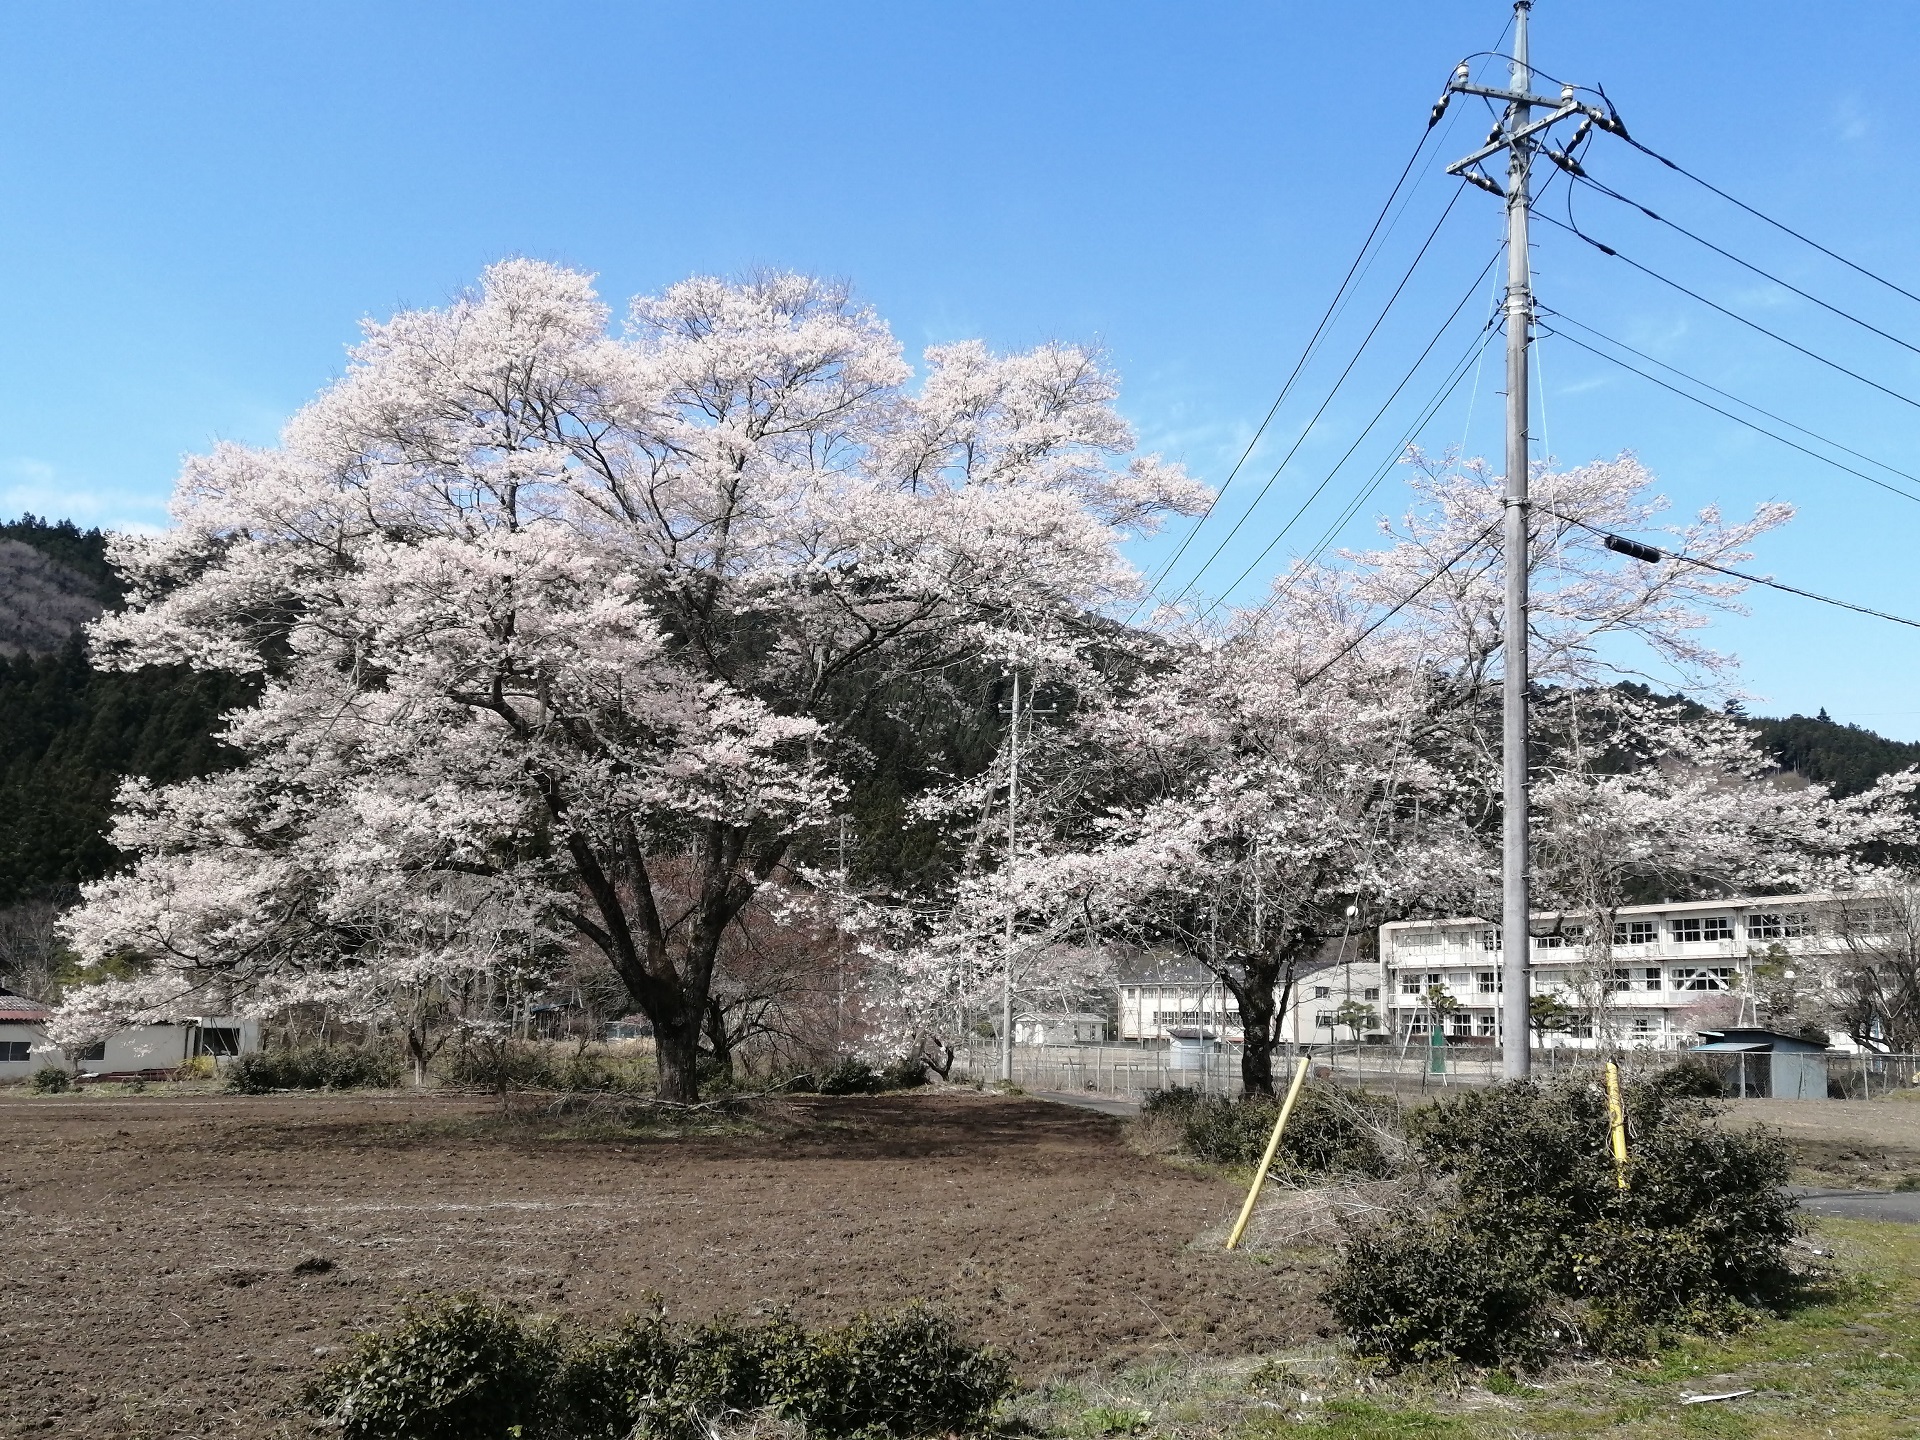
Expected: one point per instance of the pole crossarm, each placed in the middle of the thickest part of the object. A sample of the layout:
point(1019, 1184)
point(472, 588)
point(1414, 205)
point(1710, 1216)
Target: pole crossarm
point(1512, 97)
point(1494, 147)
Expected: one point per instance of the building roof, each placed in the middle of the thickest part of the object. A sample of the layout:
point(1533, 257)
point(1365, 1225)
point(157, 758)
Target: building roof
point(1754, 1038)
point(1164, 965)
point(1160, 965)
point(20, 1009)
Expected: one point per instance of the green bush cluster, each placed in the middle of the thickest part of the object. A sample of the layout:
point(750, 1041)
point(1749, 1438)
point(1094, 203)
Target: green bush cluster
point(50, 1080)
point(1330, 1132)
point(465, 1369)
point(316, 1067)
point(1538, 1250)
point(853, 1076)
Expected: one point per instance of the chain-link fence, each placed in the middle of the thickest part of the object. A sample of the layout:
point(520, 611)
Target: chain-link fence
point(1128, 1072)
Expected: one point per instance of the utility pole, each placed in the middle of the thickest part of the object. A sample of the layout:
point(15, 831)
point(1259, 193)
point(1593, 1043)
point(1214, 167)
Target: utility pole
point(1516, 871)
point(1520, 135)
point(1013, 855)
point(840, 950)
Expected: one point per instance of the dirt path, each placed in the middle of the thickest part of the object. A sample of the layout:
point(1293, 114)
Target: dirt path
point(152, 1243)
point(1842, 1144)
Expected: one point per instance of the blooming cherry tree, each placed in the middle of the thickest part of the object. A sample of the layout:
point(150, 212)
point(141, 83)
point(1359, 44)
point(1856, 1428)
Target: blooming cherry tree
point(537, 606)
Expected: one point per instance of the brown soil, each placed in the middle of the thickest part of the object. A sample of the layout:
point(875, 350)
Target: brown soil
point(152, 1244)
point(1845, 1144)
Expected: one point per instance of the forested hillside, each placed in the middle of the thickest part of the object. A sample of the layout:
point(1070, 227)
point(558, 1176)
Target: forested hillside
point(69, 734)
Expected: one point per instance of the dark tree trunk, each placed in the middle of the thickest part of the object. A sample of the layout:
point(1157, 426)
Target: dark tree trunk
point(1257, 1034)
point(668, 968)
point(718, 1041)
point(1263, 990)
point(676, 1054)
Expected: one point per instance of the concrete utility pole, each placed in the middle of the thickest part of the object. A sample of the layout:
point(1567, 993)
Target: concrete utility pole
point(1519, 134)
point(1516, 871)
point(1013, 855)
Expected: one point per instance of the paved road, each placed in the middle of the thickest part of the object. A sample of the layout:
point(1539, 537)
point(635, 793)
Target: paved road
point(1105, 1104)
point(1900, 1205)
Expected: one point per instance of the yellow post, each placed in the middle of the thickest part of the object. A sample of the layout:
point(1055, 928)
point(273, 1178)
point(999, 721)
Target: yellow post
point(1266, 1160)
point(1617, 1122)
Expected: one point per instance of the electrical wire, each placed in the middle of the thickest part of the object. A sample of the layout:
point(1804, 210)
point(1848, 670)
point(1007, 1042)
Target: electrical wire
point(1561, 318)
point(1615, 195)
point(1659, 554)
point(1307, 430)
point(1366, 492)
point(1408, 599)
point(1741, 419)
point(1460, 374)
point(1306, 354)
point(1730, 314)
point(1761, 215)
point(1332, 312)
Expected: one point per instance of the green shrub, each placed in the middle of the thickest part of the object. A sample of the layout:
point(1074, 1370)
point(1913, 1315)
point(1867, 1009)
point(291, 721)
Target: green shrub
point(316, 1067)
point(1177, 1100)
point(850, 1076)
point(907, 1373)
point(1690, 1078)
point(466, 1368)
point(1696, 1241)
point(50, 1080)
point(459, 1370)
point(1416, 1292)
point(909, 1072)
point(1330, 1132)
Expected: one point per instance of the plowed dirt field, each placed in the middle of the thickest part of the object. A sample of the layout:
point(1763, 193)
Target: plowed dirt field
point(154, 1246)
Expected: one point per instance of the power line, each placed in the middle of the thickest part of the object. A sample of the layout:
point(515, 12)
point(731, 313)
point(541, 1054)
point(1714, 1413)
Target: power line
point(1400, 605)
point(1653, 555)
point(1307, 430)
point(1299, 365)
point(1730, 314)
point(1768, 219)
point(1440, 397)
point(1457, 374)
point(1738, 419)
point(1615, 195)
point(1741, 419)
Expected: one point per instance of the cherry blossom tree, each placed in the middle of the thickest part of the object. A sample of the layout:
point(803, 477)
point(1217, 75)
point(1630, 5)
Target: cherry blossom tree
point(1232, 804)
point(1337, 746)
point(541, 606)
point(1640, 798)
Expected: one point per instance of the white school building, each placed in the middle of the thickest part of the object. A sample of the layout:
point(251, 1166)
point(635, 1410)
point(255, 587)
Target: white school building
point(1674, 969)
point(1163, 991)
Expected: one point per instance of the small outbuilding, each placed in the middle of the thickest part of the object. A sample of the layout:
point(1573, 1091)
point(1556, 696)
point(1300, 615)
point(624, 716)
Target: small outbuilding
point(1079, 1027)
point(1765, 1064)
point(23, 1025)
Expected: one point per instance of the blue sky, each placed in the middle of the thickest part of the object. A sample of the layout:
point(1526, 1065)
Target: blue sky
point(200, 201)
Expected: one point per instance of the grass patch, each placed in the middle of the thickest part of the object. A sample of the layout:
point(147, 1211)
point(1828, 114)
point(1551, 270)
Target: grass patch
point(1845, 1363)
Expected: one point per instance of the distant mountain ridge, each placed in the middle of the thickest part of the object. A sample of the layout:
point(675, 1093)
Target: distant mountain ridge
point(54, 578)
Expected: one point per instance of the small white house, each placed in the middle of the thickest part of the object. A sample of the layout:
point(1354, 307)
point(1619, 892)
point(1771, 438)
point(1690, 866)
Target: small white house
point(1080, 1027)
point(164, 1045)
point(23, 1025)
point(169, 1044)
